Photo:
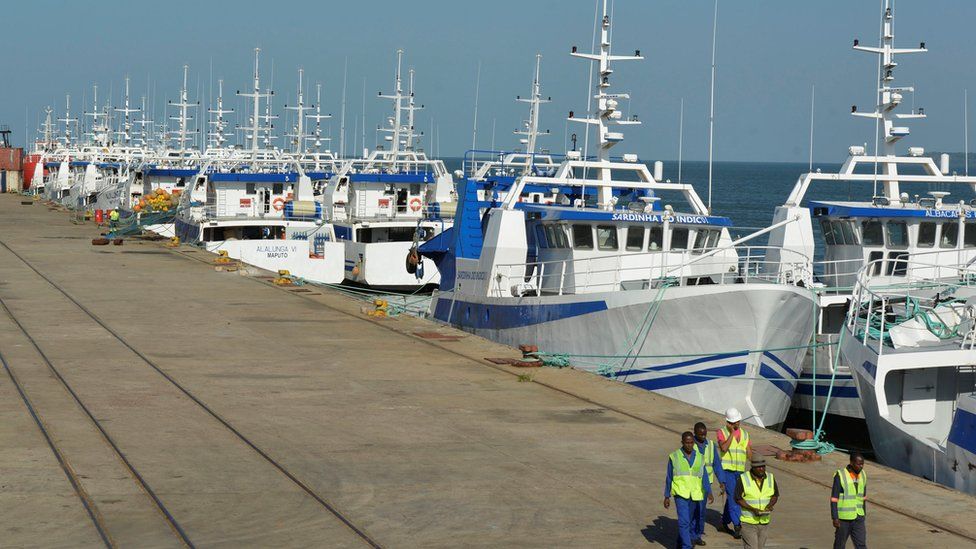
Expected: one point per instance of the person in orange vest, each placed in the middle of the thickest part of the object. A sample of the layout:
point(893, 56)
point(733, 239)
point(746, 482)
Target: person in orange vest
point(735, 451)
point(848, 504)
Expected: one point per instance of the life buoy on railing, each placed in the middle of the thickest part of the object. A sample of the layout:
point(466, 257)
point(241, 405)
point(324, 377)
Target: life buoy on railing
point(415, 205)
point(278, 204)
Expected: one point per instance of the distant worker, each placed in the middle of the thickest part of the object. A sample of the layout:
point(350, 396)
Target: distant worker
point(113, 219)
point(713, 462)
point(688, 482)
point(847, 501)
point(757, 494)
point(735, 451)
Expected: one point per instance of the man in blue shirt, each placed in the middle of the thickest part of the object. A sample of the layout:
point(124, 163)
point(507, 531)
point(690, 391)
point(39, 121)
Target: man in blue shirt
point(713, 462)
point(682, 485)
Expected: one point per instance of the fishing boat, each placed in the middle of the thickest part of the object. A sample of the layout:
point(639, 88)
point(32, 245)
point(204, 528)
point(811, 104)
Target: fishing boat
point(384, 204)
point(910, 337)
point(906, 210)
point(596, 265)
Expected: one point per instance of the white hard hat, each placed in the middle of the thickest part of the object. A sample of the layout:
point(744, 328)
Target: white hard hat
point(732, 415)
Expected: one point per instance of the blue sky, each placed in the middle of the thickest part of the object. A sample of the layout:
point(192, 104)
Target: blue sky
point(770, 52)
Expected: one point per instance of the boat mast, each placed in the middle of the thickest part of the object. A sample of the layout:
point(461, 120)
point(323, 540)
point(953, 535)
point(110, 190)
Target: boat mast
point(217, 136)
point(256, 95)
point(67, 120)
point(298, 138)
point(145, 125)
point(126, 133)
point(183, 119)
point(48, 130)
point(606, 112)
point(411, 108)
point(395, 128)
point(530, 129)
point(318, 117)
point(889, 97)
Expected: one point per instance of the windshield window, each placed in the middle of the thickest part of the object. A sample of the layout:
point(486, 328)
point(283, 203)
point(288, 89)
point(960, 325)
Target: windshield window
point(635, 238)
point(679, 239)
point(583, 237)
point(606, 237)
point(926, 234)
point(872, 233)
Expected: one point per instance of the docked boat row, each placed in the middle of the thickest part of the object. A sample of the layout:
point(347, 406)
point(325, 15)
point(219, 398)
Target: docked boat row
point(862, 309)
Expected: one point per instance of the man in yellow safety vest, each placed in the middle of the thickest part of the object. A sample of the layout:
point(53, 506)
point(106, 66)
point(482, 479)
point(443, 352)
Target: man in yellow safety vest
point(113, 219)
point(847, 505)
point(708, 450)
point(735, 451)
point(757, 494)
point(688, 482)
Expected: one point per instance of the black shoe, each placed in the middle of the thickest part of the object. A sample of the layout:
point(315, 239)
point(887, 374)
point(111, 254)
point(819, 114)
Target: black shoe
point(699, 541)
point(737, 534)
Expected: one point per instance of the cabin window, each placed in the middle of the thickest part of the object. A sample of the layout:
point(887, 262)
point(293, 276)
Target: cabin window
point(713, 238)
point(540, 236)
point(897, 234)
point(249, 188)
point(278, 188)
point(872, 234)
point(559, 232)
point(845, 233)
point(701, 240)
point(827, 227)
point(583, 237)
point(635, 238)
point(679, 239)
point(926, 234)
point(969, 236)
point(606, 237)
point(655, 240)
point(950, 235)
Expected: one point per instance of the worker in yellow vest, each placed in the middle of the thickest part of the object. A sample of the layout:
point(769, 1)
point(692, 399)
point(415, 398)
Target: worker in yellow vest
point(688, 482)
point(708, 450)
point(113, 219)
point(847, 504)
point(757, 494)
point(735, 451)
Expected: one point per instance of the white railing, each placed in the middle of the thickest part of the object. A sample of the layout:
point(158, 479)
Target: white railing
point(621, 272)
point(885, 283)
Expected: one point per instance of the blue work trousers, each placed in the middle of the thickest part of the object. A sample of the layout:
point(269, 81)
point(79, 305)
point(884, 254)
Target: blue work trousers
point(686, 509)
point(698, 520)
point(732, 513)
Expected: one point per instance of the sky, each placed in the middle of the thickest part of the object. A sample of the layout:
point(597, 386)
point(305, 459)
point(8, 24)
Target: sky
point(770, 53)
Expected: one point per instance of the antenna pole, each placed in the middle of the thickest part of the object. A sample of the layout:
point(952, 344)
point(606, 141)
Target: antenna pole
point(813, 95)
point(342, 115)
point(681, 134)
point(477, 91)
point(711, 109)
point(965, 95)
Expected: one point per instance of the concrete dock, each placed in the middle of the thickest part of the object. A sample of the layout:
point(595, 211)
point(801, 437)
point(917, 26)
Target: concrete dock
point(150, 400)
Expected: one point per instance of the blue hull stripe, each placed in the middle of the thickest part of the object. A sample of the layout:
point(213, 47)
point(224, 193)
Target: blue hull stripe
point(692, 362)
point(781, 364)
point(826, 377)
point(480, 316)
point(681, 380)
point(838, 392)
point(770, 374)
point(963, 431)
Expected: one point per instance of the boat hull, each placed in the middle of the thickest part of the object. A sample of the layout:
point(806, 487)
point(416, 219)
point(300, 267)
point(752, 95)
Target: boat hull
point(712, 346)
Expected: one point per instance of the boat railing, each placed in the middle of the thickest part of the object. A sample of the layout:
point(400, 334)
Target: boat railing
point(893, 290)
point(641, 271)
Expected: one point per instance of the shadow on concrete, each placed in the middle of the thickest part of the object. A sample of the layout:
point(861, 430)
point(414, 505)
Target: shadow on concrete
point(664, 529)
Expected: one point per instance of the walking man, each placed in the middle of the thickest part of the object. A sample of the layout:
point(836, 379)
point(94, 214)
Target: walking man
point(687, 482)
point(709, 452)
point(113, 219)
point(847, 501)
point(757, 494)
point(735, 451)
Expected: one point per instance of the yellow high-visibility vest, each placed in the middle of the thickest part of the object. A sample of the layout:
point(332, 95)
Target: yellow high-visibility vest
point(735, 458)
point(686, 480)
point(757, 497)
point(850, 503)
point(708, 456)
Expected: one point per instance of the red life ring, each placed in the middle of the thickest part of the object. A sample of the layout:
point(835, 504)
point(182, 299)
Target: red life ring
point(278, 204)
point(415, 205)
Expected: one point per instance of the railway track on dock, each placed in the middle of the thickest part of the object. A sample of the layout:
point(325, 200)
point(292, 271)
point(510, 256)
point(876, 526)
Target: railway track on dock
point(90, 507)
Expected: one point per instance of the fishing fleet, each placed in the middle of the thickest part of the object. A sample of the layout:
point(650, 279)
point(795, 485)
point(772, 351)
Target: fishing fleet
point(588, 258)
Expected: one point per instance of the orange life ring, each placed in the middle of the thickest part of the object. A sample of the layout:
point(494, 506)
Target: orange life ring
point(278, 204)
point(415, 205)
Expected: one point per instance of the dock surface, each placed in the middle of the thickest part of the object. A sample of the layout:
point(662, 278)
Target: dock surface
point(148, 399)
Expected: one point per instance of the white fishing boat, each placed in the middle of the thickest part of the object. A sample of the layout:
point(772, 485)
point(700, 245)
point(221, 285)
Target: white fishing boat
point(908, 211)
point(910, 337)
point(384, 204)
point(590, 264)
